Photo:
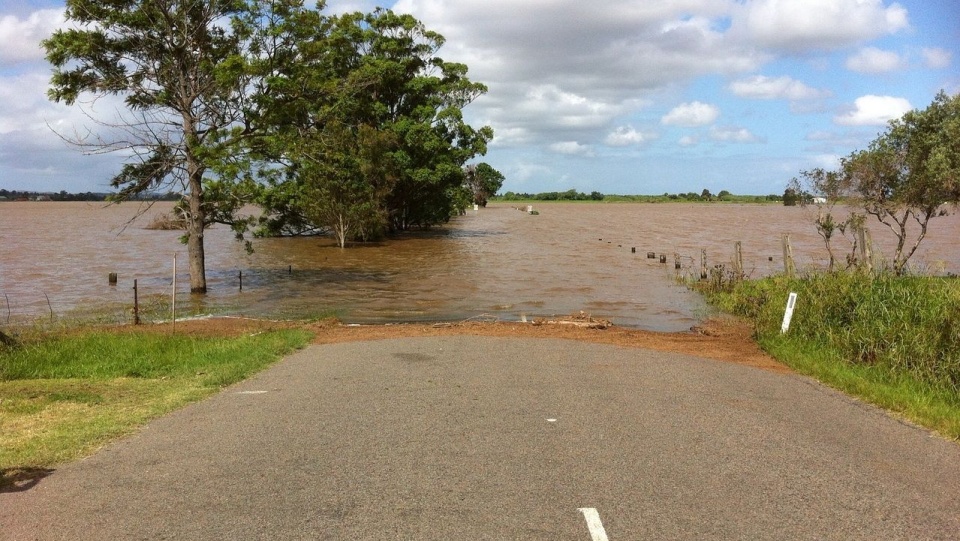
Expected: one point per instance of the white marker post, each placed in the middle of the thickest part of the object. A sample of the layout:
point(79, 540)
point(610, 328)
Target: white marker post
point(173, 294)
point(788, 315)
point(597, 533)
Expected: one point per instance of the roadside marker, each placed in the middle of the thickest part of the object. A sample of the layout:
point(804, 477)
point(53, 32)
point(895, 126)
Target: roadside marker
point(788, 313)
point(597, 533)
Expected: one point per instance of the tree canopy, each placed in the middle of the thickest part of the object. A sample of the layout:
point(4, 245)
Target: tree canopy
point(178, 65)
point(367, 121)
point(348, 123)
point(907, 176)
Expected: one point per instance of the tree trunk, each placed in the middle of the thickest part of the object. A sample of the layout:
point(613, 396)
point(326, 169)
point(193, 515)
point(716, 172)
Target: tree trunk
point(195, 223)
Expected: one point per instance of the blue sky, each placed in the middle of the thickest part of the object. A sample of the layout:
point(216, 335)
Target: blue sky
point(618, 96)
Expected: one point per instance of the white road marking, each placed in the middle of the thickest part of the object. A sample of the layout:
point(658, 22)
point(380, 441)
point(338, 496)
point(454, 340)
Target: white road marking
point(250, 392)
point(551, 420)
point(597, 533)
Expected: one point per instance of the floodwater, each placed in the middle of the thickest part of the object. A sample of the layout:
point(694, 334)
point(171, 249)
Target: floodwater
point(495, 263)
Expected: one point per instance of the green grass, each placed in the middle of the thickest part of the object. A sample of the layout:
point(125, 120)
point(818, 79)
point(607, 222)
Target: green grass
point(63, 397)
point(892, 341)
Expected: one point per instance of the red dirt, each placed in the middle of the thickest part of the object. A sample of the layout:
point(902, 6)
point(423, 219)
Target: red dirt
point(726, 340)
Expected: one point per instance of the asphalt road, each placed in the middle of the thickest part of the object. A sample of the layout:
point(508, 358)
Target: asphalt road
point(493, 438)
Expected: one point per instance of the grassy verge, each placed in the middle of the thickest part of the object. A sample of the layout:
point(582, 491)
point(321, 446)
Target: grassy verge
point(63, 397)
point(891, 341)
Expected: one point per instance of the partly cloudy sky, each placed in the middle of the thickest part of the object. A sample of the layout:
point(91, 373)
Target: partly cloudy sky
point(619, 96)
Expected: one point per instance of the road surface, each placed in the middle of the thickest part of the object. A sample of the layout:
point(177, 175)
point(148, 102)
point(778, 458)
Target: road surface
point(506, 438)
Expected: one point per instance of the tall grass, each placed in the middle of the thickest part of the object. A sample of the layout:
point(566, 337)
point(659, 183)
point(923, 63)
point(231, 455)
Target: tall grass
point(101, 355)
point(892, 340)
point(906, 324)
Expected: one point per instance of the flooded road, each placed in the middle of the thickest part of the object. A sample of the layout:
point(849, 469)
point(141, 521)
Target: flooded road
point(499, 262)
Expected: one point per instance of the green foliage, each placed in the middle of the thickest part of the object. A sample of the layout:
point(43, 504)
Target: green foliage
point(363, 128)
point(791, 197)
point(908, 174)
point(484, 182)
point(181, 70)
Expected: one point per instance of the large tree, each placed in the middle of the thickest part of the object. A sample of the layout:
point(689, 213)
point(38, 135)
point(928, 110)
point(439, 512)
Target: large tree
point(180, 67)
point(366, 89)
point(910, 174)
point(484, 182)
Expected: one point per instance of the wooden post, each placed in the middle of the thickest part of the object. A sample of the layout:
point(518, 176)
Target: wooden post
point(788, 267)
point(663, 259)
point(738, 259)
point(866, 250)
point(136, 304)
point(676, 261)
point(112, 278)
point(703, 264)
point(240, 277)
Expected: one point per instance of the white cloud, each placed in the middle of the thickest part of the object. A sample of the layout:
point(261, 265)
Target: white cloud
point(21, 37)
point(524, 171)
point(567, 109)
point(827, 161)
point(611, 56)
point(627, 135)
point(770, 88)
point(691, 115)
point(571, 148)
point(349, 6)
point(872, 110)
point(873, 60)
point(733, 134)
point(802, 25)
point(689, 141)
point(936, 58)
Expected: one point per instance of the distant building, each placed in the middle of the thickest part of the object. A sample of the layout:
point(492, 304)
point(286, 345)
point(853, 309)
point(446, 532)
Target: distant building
point(819, 200)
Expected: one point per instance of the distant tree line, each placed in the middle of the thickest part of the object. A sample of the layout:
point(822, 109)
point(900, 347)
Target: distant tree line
point(63, 195)
point(569, 195)
point(574, 195)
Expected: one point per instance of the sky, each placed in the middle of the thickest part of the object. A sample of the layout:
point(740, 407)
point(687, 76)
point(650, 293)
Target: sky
point(616, 96)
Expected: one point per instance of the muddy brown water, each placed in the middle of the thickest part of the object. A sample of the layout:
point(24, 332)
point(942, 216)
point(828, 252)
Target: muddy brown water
point(499, 262)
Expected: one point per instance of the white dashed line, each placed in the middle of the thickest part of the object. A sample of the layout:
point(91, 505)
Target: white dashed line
point(597, 533)
point(250, 392)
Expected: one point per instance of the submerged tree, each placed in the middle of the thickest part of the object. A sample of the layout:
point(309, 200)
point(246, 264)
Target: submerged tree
point(909, 174)
point(483, 182)
point(828, 190)
point(179, 67)
point(369, 83)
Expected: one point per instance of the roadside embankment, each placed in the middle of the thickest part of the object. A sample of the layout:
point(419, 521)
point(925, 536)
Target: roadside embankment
point(892, 341)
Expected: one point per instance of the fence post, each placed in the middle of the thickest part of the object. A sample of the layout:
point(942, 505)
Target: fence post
point(136, 304)
point(703, 264)
point(866, 251)
point(788, 266)
point(738, 259)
